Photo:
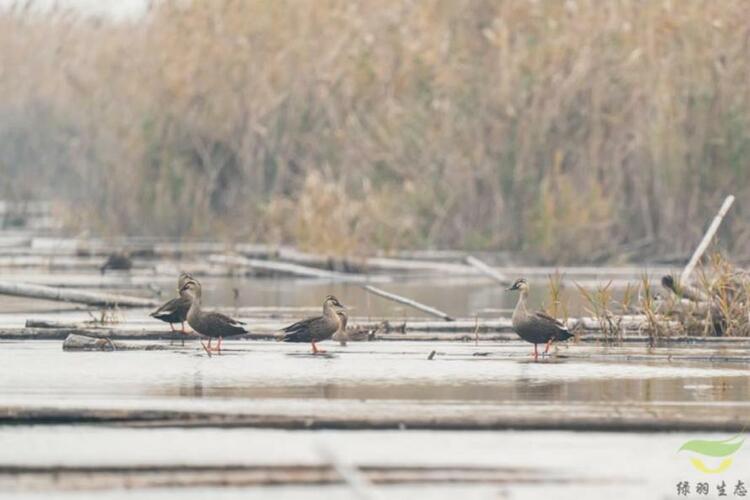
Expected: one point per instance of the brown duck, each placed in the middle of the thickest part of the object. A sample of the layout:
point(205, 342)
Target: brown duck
point(341, 336)
point(209, 324)
point(535, 327)
point(175, 310)
point(318, 328)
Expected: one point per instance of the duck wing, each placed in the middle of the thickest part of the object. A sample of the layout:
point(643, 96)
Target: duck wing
point(310, 329)
point(542, 316)
point(553, 326)
point(227, 319)
point(222, 325)
point(175, 308)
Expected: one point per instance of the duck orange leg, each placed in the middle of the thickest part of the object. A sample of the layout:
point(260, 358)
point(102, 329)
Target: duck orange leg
point(315, 348)
point(536, 353)
point(218, 347)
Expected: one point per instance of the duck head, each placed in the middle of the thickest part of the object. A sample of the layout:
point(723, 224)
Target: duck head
point(667, 281)
point(332, 301)
point(191, 288)
point(184, 278)
point(519, 284)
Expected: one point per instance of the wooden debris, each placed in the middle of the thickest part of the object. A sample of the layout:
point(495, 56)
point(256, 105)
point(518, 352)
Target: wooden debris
point(409, 302)
point(286, 268)
point(487, 270)
point(75, 342)
point(411, 265)
point(75, 296)
point(29, 478)
point(637, 417)
point(703, 245)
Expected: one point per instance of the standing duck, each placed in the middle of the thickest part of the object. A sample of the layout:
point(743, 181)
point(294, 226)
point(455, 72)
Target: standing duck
point(535, 327)
point(318, 328)
point(209, 324)
point(175, 310)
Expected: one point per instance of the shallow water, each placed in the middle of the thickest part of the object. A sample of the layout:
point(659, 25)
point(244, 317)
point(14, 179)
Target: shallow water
point(457, 296)
point(274, 378)
point(40, 370)
point(381, 378)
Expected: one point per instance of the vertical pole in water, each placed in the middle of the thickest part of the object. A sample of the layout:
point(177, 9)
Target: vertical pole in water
point(706, 238)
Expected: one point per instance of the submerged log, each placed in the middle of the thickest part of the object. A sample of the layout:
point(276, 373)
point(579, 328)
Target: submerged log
point(75, 296)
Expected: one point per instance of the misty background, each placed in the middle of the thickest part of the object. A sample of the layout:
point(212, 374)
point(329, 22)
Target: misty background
point(572, 131)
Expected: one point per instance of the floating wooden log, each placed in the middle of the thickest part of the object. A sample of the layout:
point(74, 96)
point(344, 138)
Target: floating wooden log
point(29, 478)
point(634, 327)
point(286, 268)
point(75, 296)
point(407, 265)
point(703, 245)
point(409, 302)
point(487, 270)
point(642, 417)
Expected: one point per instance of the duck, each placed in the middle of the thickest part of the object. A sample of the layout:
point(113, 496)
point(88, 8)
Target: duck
point(318, 328)
point(712, 304)
point(119, 261)
point(536, 327)
point(175, 310)
point(209, 324)
point(687, 291)
point(341, 335)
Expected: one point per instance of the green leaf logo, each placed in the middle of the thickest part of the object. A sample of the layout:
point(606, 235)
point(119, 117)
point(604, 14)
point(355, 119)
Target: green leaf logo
point(716, 449)
point(713, 448)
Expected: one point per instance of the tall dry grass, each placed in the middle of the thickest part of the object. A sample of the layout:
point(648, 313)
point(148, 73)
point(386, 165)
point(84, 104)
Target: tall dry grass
point(566, 129)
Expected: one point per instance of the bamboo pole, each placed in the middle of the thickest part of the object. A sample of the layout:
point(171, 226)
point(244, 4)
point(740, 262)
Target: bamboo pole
point(728, 201)
point(487, 270)
point(409, 302)
point(76, 296)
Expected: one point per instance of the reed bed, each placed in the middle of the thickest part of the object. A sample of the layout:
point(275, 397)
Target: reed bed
point(572, 131)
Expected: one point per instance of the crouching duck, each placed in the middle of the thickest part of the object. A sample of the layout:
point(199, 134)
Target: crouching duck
point(318, 328)
point(209, 324)
point(535, 327)
point(118, 261)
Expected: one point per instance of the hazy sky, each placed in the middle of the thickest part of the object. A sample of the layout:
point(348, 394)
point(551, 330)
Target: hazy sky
point(117, 9)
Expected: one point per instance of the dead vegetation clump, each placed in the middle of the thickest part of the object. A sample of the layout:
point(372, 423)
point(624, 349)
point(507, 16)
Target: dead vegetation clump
point(717, 303)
